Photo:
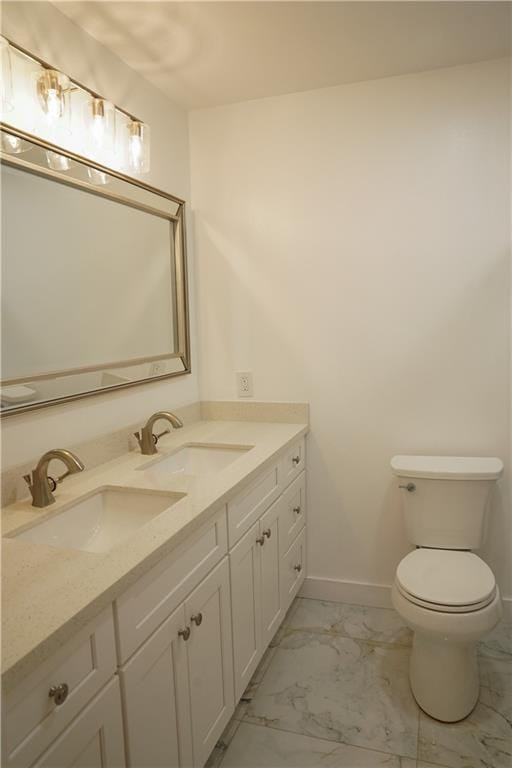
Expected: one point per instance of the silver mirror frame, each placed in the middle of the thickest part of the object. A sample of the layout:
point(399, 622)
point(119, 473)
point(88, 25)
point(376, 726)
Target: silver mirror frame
point(176, 220)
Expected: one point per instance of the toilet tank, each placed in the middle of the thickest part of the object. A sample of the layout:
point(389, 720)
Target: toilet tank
point(446, 498)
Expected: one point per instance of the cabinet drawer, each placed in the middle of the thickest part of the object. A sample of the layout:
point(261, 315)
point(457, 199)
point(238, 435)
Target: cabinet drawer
point(145, 605)
point(245, 509)
point(293, 569)
point(293, 462)
point(292, 516)
point(32, 719)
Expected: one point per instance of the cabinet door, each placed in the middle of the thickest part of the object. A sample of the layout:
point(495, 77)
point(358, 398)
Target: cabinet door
point(271, 599)
point(245, 567)
point(293, 512)
point(94, 739)
point(210, 661)
point(154, 686)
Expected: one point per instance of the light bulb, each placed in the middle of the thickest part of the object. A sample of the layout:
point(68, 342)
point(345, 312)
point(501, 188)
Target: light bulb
point(53, 92)
point(98, 129)
point(53, 106)
point(14, 145)
point(100, 116)
point(138, 147)
point(135, 152)
point(57, 162)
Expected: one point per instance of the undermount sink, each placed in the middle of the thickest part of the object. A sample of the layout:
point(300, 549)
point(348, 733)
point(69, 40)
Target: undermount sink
point(196, 459)
point(100, 520)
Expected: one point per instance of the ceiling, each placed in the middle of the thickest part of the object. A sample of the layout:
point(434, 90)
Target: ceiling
point(204, 54)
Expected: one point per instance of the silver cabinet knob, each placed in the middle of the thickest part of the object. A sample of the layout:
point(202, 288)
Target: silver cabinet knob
point(267, 533)
point(296, 510)
point(297, 567)
point(409, 487)
point(184, 633)
point(59, 693)
point(296, 459)
point(197, 619)
point(260, 540)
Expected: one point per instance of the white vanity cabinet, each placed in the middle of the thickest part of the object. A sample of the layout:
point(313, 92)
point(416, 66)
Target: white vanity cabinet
point(267, 570)
point(178, 687)
point(71, 696)
point(156, 698)
point(210, 661)
point(153, 681)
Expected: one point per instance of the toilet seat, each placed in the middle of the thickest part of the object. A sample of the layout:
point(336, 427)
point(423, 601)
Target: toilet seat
point(446, 580)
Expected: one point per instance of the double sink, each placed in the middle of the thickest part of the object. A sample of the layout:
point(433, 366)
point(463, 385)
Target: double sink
point(101, 519)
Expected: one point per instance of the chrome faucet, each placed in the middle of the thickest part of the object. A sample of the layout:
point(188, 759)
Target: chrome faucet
point(147, 440)
point(41, 485)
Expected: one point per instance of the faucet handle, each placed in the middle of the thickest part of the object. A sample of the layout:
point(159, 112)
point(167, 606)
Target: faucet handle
point(156, 438)
point(28, 478)
point(138, 436)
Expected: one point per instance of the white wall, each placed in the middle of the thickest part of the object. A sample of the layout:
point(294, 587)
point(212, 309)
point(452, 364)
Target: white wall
point(40, 28)
point(353, 249)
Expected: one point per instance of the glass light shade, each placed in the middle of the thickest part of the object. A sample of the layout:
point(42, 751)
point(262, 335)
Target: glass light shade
point(97, 177)
point(6, 89)
point(53, 91)
point(138, 147)
point(57, 162)
point(13, 145)
point(101, 125)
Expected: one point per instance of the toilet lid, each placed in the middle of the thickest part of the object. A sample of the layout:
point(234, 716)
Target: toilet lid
point(446, 578)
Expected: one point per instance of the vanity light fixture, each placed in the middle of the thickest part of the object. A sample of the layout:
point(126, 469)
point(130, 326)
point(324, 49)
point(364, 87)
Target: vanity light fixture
point(53, 90)
point(138, 146)
point(6, 76)
point(46, 103)
point(14, 145)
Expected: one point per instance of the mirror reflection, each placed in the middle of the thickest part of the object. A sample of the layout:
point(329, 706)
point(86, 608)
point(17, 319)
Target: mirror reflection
point(93, 292)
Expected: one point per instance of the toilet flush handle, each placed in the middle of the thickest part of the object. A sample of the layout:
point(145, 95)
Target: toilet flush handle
point(409, 487)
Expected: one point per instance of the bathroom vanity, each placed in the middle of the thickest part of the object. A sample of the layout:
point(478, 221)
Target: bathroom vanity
point(137, 654)
point(138, 602)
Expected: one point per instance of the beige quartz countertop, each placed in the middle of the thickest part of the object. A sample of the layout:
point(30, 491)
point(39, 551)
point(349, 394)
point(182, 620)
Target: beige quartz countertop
point(50, 593)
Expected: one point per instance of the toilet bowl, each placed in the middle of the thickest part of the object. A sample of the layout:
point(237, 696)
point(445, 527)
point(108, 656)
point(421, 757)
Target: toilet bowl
point(446, 593)
point(450, 600)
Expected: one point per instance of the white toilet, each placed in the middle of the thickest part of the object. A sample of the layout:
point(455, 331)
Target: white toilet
point(444, 592)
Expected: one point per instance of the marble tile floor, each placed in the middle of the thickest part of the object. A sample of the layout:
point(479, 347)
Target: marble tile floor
point(333, 691)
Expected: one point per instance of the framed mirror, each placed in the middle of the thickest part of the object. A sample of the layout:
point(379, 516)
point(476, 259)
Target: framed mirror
point(94, 278)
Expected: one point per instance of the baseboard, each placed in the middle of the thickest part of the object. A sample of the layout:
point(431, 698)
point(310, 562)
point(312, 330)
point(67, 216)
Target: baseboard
point(359, 593)
point(507, 608)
